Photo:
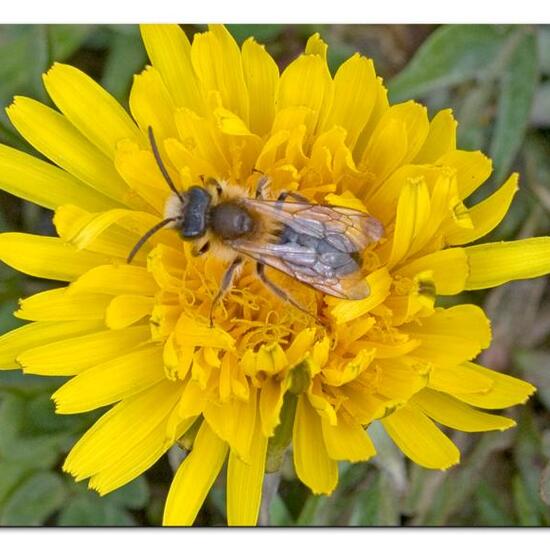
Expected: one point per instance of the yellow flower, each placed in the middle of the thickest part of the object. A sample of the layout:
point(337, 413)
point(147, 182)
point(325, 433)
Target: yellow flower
point(137, 336)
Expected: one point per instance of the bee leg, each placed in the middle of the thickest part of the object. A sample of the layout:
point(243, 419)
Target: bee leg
point(224, 286)
point(200, 250)
point(260, 270)
point(296, 196)
point(213, 183)
point(262, 186)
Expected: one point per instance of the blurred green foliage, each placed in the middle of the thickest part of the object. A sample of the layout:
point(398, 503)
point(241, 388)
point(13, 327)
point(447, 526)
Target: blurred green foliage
point(497, 80)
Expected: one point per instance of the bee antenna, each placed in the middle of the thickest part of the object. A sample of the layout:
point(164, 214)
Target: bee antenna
point(161, 166)
point(147, 236)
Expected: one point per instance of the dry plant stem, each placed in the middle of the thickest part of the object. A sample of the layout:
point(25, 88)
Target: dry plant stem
point(269, 490)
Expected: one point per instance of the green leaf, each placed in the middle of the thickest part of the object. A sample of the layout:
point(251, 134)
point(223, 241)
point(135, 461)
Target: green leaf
point(279, 516)
point(89, 510)
point(262, 33)
point(35, 500)
point(309, 511)
point(543, 44)
point(540, 115)
point(133, 495)
point(7, 320)
point(366, 506)
point(526, 512)
point(388, 457)
point(489, 509)
point(40, 451)
point(517, 90)
point(545, 484)
point(451, 55)
point(65, 40)
point(126, 57)
point(40, 417)
point(534, 367)
point(16, 381)
point(388, 503)
point(527, 454)
point(11, 475)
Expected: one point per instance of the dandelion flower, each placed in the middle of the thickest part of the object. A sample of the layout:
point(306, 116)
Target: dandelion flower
point(266, 375)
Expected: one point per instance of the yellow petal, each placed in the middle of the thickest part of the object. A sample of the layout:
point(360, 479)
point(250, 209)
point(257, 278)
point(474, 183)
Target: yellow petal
point(13, 343)
point(131, 462)
point(39, 182)
point(420, 439)
point(127, 309)
point(116, 279)
point(70, 149)
point(413, 213)
point(339, 374)
point(217, 62)
point(316, 46)
point(244, 482)
point(46, 257)
point(505, 390)
point(381, 105)
point(386, 149)
point(472, 169)
point(57, 305)
point(355, 93)
point(400, 378)
point(194, 478)
point(170, 52)
point(234, 422)
point(270, 359)
point(455, 334)
point(193, 400)
point(261, 75)
point(441, 138)
point(124, 427)
point(111, 381)
point(449, 269)
point(94, 226)
point(300, 346)
point(313, 465)
point(292, 92)
point(202, 140)
point(73, 355)
point(151, 105)
point(345, 311)
point(141, 172)
point(460, 379)
point(494, 264)
point(348, 440)
point(193, 333)
point(486, 215)
point(396, 140)
point(94, 112)
point(112, 240)
point(453, 413)
point(270, 404)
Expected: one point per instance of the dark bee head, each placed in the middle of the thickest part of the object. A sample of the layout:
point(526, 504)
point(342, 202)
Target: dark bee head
point(194, 213)
point(230, 221)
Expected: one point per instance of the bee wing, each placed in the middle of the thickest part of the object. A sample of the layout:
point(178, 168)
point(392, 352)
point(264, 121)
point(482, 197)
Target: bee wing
point(323, 254)
point(346, 229)
point(337, 273)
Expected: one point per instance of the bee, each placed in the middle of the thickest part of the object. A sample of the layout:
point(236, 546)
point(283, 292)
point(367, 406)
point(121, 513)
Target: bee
point(318, 245)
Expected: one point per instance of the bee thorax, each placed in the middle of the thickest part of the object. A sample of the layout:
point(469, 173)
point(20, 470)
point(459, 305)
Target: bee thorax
point(231, 221)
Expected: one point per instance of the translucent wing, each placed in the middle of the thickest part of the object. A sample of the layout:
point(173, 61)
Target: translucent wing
point(347, 229)
point(317, 245)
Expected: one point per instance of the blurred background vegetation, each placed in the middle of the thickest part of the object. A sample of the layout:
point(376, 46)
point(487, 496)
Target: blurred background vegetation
point(497, 80)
